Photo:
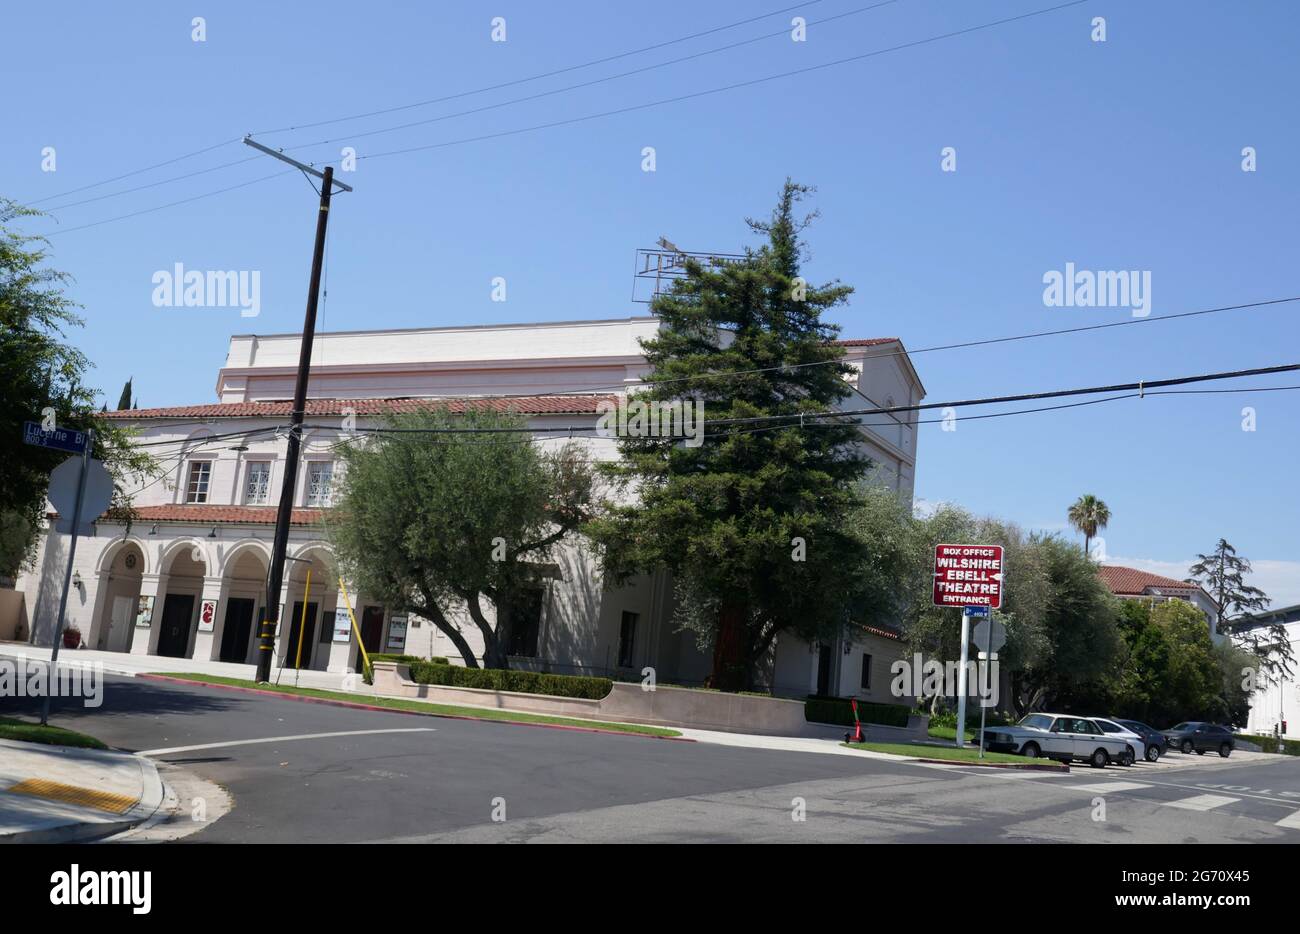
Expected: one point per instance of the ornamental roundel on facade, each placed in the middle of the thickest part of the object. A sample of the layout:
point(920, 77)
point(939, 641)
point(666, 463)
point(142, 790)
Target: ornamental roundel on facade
point(129, 561)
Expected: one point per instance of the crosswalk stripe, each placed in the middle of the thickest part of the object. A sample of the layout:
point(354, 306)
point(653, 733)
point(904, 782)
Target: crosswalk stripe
point(1291, 820)
point(1200, 802)
point(1109, 786)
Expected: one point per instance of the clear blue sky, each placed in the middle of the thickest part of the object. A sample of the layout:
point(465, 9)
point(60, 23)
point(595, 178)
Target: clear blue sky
point(1117, 155)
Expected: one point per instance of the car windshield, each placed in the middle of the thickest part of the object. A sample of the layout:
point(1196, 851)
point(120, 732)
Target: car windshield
point(1182, 726)
point(1035, 720)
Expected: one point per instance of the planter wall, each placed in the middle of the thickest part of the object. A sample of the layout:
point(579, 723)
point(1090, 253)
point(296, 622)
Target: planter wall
point(627, 703)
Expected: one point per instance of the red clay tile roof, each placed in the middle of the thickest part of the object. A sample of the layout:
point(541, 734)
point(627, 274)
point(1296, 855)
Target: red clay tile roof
point(528, 405)
point(883, 634)
point(204, 514)
point(866, 341)
point(1131, 581)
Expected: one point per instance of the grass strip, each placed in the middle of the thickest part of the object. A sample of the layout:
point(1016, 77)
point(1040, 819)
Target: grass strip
point(423, 707)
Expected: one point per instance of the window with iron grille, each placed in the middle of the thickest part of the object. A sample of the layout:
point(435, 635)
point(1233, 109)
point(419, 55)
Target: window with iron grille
point(196, 491)
point(258, 487)
point(320, 476)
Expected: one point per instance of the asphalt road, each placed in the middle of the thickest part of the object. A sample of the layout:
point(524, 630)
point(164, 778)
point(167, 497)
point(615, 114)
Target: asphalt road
point(444, 780)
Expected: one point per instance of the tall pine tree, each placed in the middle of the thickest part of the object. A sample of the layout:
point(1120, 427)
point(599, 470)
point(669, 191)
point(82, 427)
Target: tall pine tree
point(124, 401)
point(1222, 573)
point(752, 521)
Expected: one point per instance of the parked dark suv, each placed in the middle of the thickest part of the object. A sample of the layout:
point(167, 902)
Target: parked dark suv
point(1201, 737)
point(1155, 741)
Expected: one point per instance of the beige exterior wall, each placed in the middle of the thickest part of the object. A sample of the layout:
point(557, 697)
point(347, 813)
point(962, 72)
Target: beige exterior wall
point(223, 561)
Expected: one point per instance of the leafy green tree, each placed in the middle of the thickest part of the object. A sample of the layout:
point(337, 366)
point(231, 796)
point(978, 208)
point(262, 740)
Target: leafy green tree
point(1193, 677)
point(448, 525)
point(1222, 574)
point(40, 371)
point(1083, 643)
point(751, 521)
point(1088, 515)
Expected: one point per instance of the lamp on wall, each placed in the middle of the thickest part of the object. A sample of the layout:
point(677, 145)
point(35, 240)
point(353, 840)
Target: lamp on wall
point(153, 530)
point(213, 533)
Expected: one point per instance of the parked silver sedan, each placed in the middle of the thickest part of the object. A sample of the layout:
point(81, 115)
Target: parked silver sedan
point(1057, 736)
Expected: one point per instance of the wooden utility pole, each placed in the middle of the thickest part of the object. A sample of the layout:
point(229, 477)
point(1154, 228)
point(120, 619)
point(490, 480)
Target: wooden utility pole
point(275, 574)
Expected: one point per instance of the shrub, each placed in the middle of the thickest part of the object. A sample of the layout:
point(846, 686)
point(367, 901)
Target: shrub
point(500, 679)
point(1290, 747)
point(839, 711)
point(407, 659)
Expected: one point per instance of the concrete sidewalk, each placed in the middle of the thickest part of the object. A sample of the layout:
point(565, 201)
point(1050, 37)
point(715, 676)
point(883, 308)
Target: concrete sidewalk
point(61, 794)
point(120, 663)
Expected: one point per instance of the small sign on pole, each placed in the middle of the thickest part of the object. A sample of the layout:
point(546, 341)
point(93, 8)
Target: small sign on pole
point(63, 439)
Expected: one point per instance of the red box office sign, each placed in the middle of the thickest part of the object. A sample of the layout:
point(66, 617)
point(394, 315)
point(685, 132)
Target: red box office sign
point(968, 575)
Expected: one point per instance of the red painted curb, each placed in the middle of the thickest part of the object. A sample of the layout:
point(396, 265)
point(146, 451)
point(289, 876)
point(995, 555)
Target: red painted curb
point(330, 702)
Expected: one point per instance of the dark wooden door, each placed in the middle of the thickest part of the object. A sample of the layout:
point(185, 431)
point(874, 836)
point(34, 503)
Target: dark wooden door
point(238, 629)
point(178, 612)
point(372, 629)
point(824, 671)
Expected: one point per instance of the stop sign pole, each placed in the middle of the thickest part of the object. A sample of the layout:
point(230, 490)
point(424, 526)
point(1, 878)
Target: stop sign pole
point(67, 574)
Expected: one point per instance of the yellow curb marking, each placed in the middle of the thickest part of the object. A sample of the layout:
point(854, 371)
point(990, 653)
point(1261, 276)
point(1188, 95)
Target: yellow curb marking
point(74, 794)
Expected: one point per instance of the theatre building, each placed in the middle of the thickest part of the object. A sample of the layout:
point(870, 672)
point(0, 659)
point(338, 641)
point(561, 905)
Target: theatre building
point(186, 576)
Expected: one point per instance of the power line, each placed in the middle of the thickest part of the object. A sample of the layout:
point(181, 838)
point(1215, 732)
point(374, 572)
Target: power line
point(1143, 387)
point(122, 217)
point(546, 74)
point(726, 374)
point(633, 108)
point(165, 181)
point(584, 84)
point(436, 100)
point(728, 87)
point(147, 168)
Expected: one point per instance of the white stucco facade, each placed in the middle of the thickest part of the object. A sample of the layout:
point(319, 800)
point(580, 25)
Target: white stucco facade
point(186, 577)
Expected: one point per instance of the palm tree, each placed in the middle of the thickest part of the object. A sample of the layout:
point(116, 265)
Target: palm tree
point(1089, 515)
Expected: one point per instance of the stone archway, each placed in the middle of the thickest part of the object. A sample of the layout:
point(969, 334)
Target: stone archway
point(121, 572)
point(243, 588)
point(184, 567)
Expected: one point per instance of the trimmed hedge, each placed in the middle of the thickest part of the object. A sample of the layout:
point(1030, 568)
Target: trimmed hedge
point(407, 659)
point(839, 711)
point(499, 679)
point(1290, 747)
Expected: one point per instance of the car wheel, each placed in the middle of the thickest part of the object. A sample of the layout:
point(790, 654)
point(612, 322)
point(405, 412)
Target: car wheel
point(1153, 753)
point(1225, 750)
point(1129, 756)
point(1100, 759)
point(1187, 747)
point(1030, 751)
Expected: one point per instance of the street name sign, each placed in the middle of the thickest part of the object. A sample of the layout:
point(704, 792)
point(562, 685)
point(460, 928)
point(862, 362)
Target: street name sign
point(968, 575)
point(64, 439)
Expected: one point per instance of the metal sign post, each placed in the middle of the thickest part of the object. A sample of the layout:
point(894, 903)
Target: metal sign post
point(67, 576)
